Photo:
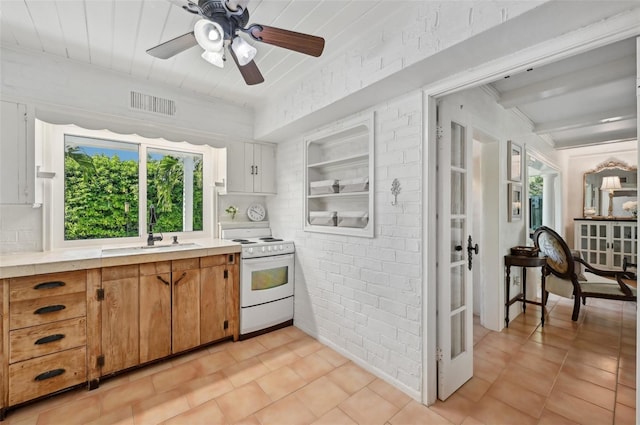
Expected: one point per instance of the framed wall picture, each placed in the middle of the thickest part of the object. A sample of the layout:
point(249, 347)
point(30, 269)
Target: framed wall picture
point(515, 201)
point(514, 162)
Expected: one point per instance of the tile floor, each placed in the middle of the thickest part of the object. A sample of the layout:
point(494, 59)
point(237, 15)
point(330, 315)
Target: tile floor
point(566, 373)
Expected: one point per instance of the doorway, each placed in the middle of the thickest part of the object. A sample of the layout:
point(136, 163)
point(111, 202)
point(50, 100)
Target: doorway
point(431, 292)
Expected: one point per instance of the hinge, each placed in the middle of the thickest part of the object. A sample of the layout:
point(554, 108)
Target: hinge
point(226, 324)
point(25, 117)
point(438, 354)
point(439, 132)
point(100, 294)
point(100, 360)
point(226, 274)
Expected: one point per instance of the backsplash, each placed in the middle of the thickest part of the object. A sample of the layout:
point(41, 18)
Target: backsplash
point(20, 229)
point(242, 202)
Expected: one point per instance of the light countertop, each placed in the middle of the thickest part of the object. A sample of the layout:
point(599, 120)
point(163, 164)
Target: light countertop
point(31, 263)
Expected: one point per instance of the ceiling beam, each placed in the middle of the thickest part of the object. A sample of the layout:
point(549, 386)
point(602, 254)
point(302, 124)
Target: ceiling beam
point(570, 82)
point(611, 137)
point(597, 118)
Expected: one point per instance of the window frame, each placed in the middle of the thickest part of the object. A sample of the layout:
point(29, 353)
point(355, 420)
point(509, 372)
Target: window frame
point(53, 148)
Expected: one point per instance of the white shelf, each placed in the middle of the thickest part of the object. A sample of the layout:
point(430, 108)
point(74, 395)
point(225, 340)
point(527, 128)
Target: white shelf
point(341, 153)
point(339, 195)
point(350, 160)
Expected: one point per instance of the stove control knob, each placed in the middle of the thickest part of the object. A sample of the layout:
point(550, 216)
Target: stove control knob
point(250, 250)
point(263, 250)
point(269, 248)
point(281, 248)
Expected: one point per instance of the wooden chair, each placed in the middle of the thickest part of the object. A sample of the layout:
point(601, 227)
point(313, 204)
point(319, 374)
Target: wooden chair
point(563, 280)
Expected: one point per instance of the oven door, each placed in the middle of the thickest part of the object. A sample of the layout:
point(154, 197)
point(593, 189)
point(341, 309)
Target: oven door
point(266, 279)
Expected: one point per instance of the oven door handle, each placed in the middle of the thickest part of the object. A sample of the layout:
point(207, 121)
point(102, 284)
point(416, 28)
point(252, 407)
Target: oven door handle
point(268, 260)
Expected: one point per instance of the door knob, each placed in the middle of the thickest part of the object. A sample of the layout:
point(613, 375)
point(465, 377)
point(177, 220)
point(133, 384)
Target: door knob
point(471, 249)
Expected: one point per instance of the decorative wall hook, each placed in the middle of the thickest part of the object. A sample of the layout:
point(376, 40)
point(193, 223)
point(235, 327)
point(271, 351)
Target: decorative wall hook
point(395, 190)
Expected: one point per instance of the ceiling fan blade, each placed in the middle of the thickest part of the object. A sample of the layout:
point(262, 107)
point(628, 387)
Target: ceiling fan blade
point(299, 42)
point(250, 71)
point(174, 46)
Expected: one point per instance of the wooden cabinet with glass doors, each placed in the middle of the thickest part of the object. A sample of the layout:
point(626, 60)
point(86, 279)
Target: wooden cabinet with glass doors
point(605, 243)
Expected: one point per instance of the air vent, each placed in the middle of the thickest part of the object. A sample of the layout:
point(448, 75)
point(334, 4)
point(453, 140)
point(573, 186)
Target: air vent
point(152, 104)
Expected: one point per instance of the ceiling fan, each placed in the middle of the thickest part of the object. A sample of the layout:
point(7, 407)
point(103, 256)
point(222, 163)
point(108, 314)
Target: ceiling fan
point(221, 21)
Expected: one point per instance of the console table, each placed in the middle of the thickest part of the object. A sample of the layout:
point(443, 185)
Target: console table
point(524, 262)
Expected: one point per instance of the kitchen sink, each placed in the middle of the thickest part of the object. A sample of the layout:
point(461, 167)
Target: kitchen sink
point(148, 249)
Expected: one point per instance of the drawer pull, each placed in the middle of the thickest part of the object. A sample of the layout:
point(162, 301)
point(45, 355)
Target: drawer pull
point(49, 374)
point(49, 285)
point(163, 280)
point(48, 339)
point(49, 309)
point(180, 278)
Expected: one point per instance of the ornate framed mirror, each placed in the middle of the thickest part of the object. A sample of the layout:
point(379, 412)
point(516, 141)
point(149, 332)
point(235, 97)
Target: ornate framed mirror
point(597, 199)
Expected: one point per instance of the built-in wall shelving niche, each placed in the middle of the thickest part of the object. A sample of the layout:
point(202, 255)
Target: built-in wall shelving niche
point(339, 180)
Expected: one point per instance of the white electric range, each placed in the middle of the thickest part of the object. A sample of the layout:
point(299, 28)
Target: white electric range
point(266, 279)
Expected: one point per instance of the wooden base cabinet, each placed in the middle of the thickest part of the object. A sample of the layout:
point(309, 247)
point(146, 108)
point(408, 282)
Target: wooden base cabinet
point(185, 315)
point(119, 305)
point(44, 344)
point(219, 298)
point(153, 310)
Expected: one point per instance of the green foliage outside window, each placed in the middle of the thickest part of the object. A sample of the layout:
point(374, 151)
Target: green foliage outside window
point(102, 192)
point(95, 202)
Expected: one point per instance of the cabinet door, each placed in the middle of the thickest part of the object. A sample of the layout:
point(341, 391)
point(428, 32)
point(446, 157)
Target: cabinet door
point(264, 157)
point(212, 304)
point(186, 308)
point(120, 334)
point(239, 167)
point(623, 244)
point(17, 176)
point(155, 313)
point(594, 243)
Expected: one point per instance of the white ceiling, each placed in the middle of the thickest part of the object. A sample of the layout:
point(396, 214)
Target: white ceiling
point(589, 98)
point(115, 34)
point(586, 99)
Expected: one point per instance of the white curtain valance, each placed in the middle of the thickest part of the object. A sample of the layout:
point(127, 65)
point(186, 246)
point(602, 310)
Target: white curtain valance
point(125, 125)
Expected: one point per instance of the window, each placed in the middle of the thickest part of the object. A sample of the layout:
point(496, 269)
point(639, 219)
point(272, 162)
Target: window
point(100, 188)
point(110, 181)
point(174, 187)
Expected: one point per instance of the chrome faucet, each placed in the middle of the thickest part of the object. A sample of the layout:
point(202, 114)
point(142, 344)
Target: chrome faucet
point(152, 222)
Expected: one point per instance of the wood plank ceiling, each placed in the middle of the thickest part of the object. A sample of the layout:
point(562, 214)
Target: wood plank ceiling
point(114, 34)
point(589, 98)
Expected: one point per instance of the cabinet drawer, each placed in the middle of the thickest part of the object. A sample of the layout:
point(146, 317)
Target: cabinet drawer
point(46, 285)
point(43, 375)
point(46, 310)
point(217, 260)
point(36, 341)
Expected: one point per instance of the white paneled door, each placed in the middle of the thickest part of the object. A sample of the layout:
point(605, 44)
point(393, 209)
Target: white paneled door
point(455, 250)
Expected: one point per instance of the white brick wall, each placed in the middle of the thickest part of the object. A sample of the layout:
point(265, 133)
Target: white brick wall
point(420, 30)
point(363, 295)
point(20, 228)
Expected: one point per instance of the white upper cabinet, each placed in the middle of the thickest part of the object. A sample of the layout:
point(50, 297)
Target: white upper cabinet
point(17, 174)
point(251, 168)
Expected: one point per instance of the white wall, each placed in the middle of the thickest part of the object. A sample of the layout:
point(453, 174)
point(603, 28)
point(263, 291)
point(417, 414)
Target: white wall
point(577, 161)
point(63, 91)
point(362, 296)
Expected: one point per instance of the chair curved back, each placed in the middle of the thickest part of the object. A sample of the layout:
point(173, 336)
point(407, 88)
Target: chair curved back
point(559, 258)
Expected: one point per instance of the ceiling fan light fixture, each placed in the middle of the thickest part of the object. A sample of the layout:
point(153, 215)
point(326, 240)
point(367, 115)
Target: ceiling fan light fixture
point(209, 35)
point(244, 51)
point(214, 58)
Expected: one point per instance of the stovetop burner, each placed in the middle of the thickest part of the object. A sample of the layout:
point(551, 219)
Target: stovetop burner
point(270, 239)
point(243, 241)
